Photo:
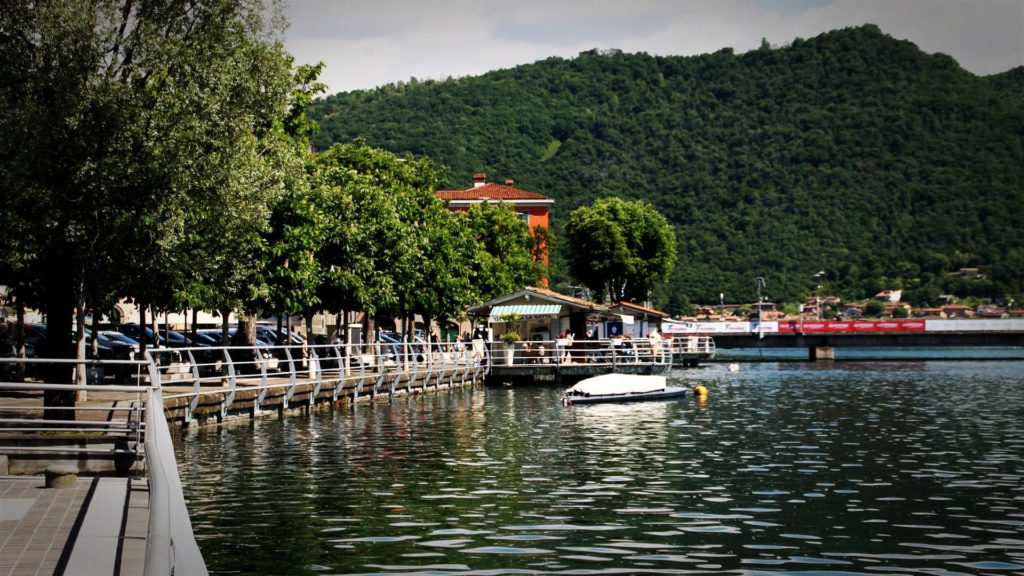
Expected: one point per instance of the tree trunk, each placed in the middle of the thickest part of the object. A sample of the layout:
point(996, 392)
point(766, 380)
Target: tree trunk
point(246, 334)
point(143, 340)
point(225, 336)
point(19, 338)
point(59, 304)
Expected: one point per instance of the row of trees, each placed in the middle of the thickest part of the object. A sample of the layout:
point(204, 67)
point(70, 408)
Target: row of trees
point(159, 152)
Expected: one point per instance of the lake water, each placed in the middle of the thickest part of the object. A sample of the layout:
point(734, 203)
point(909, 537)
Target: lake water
point(909, 467)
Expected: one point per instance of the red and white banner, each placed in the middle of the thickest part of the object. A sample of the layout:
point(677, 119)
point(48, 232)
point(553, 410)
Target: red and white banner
point(843, 326)
point(859, 326)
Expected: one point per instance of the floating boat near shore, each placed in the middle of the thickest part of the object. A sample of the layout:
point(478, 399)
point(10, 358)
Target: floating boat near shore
point(621, 388)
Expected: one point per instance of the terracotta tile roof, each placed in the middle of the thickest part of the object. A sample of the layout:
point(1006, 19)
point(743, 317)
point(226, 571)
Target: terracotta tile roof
point(490, 192)
point(650, 311)
point(542, 293)
point(559, 296)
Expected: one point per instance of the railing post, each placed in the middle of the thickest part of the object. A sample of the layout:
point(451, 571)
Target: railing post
point(291, 377)
point(229, 398)
point(314, 362)
point(264, 381)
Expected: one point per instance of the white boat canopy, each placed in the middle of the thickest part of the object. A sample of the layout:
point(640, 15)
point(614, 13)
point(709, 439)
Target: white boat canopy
point(609, 384)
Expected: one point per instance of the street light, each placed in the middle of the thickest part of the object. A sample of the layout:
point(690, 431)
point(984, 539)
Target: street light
point(760, 329)
point(817, 296)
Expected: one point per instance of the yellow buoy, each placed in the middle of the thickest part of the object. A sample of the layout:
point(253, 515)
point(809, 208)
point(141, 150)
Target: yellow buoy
point(700, 391)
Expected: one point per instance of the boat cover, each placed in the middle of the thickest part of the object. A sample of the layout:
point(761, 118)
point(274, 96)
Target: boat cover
point(607, 384)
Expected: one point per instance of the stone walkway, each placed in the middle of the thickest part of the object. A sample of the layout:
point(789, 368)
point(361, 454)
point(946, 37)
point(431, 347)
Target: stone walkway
point(96, 527)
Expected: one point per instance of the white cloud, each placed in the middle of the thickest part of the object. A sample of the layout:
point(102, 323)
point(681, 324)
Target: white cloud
point(368, 44)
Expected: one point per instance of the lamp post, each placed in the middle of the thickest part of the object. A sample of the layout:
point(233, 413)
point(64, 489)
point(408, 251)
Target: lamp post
point(760, 308)
point(817, 296)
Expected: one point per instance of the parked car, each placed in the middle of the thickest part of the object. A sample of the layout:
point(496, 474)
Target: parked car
point(169, 338)
point(120, 337)
point(108, 348)
point(209, 337)
point(393, 345)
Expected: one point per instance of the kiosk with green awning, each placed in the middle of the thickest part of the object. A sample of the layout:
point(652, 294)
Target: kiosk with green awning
point(537, 314)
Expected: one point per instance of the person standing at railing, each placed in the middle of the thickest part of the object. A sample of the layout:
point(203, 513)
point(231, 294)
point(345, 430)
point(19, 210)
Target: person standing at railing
point(655, 340)
point(563, 345)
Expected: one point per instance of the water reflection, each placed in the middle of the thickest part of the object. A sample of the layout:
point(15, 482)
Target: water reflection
point(838, 468)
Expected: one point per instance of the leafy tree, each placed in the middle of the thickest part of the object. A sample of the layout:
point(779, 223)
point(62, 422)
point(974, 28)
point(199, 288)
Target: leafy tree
point(127, 128)
point(874, 308)
point(290, 273)
point(391, 247)
point(619, 248)
point(505, 251)
point(448, 254)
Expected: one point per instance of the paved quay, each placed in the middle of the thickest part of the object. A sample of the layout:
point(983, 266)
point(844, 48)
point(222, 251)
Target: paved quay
point(98, 526)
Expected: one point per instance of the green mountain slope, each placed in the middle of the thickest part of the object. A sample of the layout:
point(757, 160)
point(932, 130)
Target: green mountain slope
point(851, 152)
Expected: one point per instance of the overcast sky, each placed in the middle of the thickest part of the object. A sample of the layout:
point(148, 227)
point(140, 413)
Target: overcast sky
point(369, 43)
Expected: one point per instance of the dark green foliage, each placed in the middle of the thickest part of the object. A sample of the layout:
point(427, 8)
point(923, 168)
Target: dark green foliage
point(621, 250)
point(874, 309)
point(851, 152)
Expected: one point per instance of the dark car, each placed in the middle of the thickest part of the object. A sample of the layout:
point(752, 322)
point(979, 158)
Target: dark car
point(393, 345)
point(211, 337)
point(169, 338)
point(109, 348)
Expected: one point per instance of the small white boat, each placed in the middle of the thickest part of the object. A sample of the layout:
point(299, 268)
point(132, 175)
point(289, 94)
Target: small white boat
point(620, 388)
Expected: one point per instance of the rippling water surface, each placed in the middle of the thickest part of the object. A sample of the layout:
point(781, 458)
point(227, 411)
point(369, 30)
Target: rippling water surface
point(845, 468)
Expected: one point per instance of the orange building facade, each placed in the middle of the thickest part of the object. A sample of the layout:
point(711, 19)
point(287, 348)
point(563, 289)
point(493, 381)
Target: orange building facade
point(531, 207)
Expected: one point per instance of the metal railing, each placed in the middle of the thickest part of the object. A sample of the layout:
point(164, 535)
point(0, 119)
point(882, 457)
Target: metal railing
point(137, 431)
point(129, 435)
point(248, 374)
point(693, 345)
point(604, 353)
point(614, 352)
point(171, 546)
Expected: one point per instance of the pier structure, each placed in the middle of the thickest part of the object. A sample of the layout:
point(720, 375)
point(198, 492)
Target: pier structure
point(564, 361)
point(541, 335)
point(92, 487)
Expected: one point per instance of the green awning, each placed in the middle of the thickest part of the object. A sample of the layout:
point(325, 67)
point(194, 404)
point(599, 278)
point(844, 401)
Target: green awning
point(524, 310)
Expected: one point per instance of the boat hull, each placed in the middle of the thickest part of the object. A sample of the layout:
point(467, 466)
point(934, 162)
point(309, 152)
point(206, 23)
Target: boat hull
point(668, 392)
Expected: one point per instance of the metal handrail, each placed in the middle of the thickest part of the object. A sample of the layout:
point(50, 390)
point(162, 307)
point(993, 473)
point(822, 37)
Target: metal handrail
point(604, 352)
point(234, 369)
point(170, 546)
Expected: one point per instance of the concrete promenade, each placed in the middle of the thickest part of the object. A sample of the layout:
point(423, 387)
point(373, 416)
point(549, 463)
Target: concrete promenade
point(98, 526)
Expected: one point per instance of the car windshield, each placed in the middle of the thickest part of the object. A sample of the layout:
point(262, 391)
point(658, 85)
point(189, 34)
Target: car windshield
point(115, 335)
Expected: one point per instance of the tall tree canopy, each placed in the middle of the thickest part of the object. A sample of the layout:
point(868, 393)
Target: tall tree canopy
point(140, 147)
point(620, 249)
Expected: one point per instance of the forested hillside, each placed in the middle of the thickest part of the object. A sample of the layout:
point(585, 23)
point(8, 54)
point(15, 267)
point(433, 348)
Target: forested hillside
point(852, 153)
